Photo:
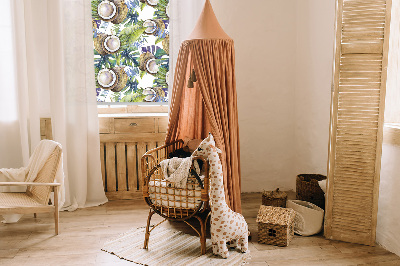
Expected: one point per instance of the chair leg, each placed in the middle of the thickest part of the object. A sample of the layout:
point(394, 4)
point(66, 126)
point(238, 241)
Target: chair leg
point(147, 235)
point(203, 232)
point(56, 211)
point(203, 236)
point(34, 215)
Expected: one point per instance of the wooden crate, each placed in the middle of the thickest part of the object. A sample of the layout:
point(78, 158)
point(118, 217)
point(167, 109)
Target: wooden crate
point(123, 141)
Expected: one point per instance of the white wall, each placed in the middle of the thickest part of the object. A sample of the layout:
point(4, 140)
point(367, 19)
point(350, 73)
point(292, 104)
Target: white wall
point(314, 60)
point(284, 52)
point(264, 33)
point(388, 227)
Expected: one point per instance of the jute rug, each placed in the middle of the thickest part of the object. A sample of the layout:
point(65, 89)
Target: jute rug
point(168, 247)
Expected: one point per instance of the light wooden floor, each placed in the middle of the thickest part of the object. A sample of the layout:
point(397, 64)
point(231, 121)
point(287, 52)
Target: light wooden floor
point(83, 232)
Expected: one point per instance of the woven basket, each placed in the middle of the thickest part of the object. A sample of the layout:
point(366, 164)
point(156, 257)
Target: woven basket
point(275, 225)
point(274, 198)
point(308, 189)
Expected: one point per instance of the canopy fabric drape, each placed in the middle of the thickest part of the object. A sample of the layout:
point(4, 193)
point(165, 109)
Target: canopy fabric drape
point(211, 106)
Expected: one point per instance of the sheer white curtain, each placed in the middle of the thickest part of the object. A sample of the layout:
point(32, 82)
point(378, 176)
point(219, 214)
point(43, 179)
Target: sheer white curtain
point(10, 147)
point(54, 78)
point(184, 15)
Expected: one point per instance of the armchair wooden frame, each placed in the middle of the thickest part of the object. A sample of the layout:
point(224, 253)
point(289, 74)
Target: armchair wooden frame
point(36, 197)
point(24, 209)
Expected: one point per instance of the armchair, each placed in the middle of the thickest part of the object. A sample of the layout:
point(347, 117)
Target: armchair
point(36, 197)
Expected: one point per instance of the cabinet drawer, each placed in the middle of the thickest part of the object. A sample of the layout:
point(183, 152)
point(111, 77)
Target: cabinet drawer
point(134, 125)
point(162, 124)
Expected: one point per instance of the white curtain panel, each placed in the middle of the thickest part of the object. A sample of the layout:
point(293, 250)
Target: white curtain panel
point(183, 18)
point(10, 143)
point(55, 78)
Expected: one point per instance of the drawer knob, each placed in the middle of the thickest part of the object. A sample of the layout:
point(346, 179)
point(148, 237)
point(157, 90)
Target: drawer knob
point(133, 124)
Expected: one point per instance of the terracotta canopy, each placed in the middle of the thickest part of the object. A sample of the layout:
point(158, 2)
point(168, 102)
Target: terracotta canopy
point(211, 105)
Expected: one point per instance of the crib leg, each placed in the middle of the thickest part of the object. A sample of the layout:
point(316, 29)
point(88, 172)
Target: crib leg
point(147, 235)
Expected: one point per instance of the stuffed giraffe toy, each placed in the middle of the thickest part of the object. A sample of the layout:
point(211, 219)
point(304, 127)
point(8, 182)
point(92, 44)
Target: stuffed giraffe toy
point(226, 225)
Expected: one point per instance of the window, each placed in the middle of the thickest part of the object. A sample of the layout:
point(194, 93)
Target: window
point(131, 50)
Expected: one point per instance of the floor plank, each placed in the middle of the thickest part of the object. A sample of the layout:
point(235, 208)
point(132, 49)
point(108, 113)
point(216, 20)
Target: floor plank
point(82, 233)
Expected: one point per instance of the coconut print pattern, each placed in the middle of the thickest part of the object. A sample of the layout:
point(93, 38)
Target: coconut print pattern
point(131, 50)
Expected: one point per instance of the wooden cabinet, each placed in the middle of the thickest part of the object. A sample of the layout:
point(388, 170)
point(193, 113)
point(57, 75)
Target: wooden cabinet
point(162, 125)
point(123, 141)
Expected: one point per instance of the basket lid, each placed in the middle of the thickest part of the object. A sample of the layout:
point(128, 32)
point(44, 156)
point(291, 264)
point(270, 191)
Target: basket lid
point(275, 215)
point(275, 194)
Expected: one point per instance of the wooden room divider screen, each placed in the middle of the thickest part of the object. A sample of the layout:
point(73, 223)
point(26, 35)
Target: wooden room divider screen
point(358, 97)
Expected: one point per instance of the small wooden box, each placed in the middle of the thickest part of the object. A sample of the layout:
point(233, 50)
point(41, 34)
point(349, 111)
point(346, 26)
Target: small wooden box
point(275, 225)
point(274, 198)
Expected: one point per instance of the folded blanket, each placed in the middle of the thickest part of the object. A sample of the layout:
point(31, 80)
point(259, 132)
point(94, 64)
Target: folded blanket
point(176, 170)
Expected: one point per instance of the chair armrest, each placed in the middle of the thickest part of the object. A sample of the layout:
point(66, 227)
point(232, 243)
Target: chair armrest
point(150, 158)
point(29, 184)
point(149, 153)
point(164, 146)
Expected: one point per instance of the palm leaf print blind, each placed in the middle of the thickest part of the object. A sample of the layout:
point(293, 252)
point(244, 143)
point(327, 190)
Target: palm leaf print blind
point(358, 95)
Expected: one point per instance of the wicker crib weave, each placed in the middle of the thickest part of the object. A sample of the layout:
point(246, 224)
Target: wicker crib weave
point(168, 200)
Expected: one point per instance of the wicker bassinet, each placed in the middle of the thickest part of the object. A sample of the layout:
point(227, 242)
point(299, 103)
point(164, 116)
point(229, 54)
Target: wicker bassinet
point(170, 202)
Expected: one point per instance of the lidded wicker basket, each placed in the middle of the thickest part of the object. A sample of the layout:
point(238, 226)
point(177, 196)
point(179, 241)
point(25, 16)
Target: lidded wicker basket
point(308, 189)
point(274, 198)
point(275, 225)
